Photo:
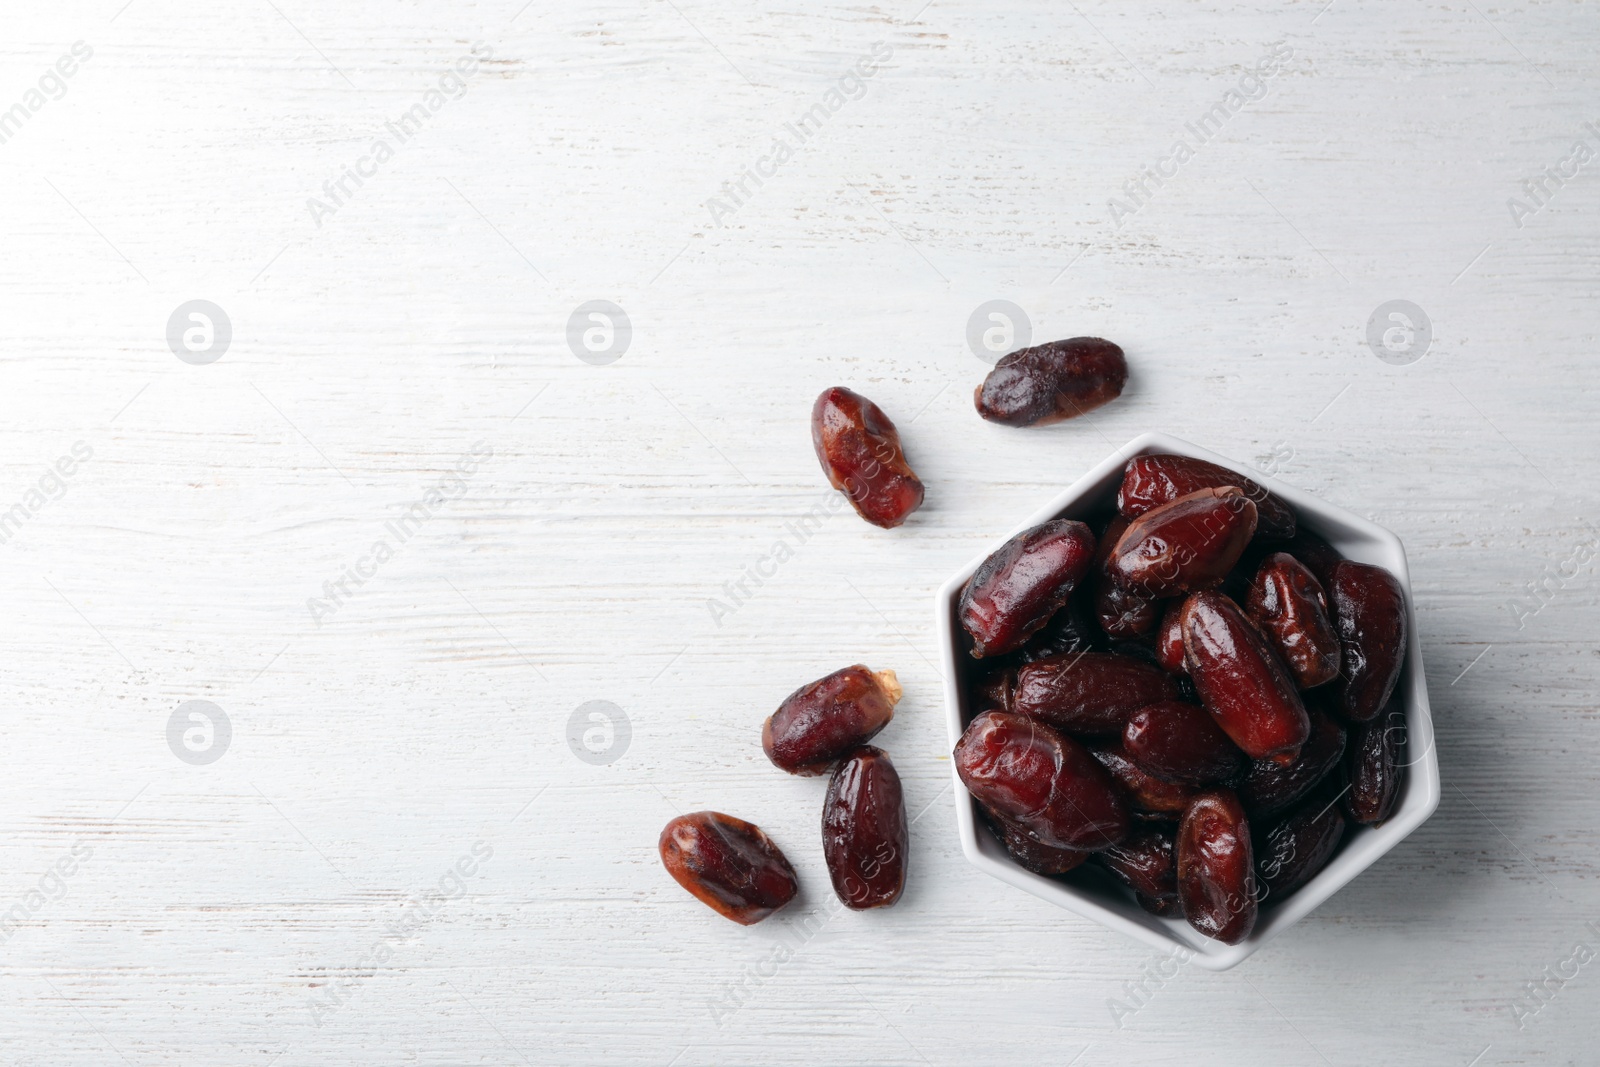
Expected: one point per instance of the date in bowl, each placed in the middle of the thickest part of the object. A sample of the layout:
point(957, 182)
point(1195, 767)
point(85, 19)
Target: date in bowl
point(1090, 891)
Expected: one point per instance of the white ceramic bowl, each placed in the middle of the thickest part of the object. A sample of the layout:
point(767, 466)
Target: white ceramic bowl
point(1095, 895)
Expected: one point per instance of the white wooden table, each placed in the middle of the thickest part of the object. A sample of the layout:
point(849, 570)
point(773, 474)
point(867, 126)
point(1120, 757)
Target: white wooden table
point(394, 855)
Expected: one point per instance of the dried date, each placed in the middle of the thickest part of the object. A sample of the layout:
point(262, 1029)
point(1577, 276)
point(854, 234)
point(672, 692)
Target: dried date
point(1186, 545)
point(1120, 612)
point(1369, 611)
point(1374, 767)
point(1216, 867)
point(1016, 590)
point(1151, 481)
point(1089, 692)
point(1046, 783)
point(1182, 743)
point(1287, 603)
point(860, 452)
point(819, 722)
point(1051, 382)
point(1241, 681)
point(728, 864)
point(864, 835)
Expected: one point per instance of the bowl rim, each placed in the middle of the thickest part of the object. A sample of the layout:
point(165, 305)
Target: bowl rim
point(1422, 789)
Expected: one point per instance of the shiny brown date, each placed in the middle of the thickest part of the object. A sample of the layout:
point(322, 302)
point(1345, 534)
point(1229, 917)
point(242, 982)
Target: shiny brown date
point(1241, 681)
point(864, 836)
point(1186, 545)
point(1014, 592)
point(1268, 788)
point(1050, 382)
point(1374, 767)
point(1089, 692)
point(860, 452)
point(1369, 611)
point(1144, 862)
point(818, 723)
point(1151, 797)
point(728, 864)
point(1216, 867)
point(1151, 481)
point(1046, 783)
point(1294, 849)
point(1287, 603)
point(1182, 743)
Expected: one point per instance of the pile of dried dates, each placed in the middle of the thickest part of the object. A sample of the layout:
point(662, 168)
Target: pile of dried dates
point(734, 868)
point(1190, 692)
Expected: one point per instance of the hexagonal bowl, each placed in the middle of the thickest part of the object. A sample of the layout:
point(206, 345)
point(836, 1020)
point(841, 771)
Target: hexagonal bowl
point(1090, 892)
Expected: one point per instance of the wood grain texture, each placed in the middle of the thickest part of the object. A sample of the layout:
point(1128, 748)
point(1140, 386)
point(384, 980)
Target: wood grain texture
point(214, 912)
